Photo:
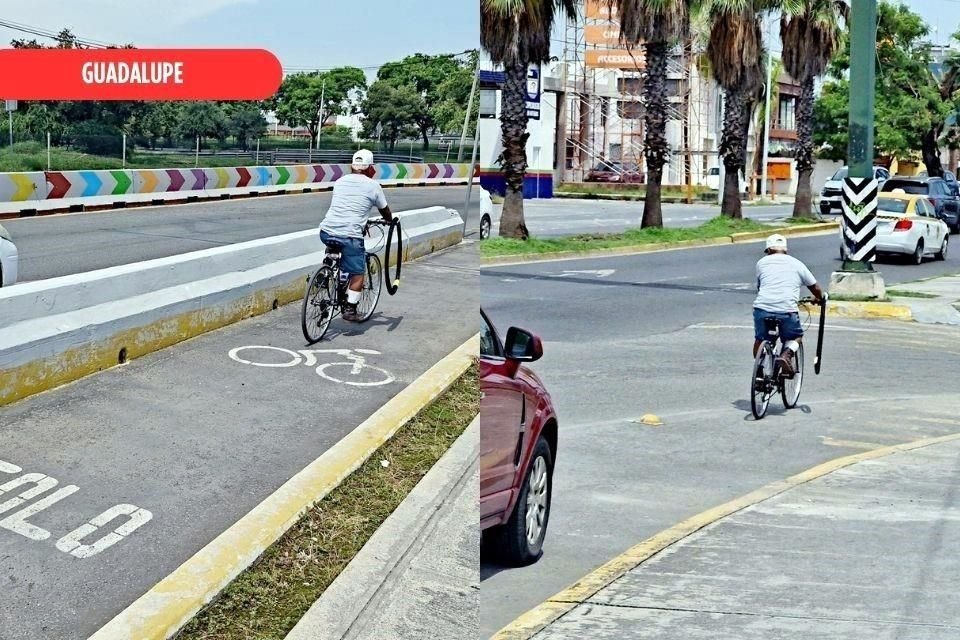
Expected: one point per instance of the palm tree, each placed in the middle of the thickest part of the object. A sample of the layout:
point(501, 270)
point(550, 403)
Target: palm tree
point(762, 125)
point(810, 31)
point(516, 33)
point(657, 24)
point(735, 50)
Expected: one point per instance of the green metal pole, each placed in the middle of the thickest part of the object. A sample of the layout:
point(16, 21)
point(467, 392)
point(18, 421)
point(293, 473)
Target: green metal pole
point(863, 53)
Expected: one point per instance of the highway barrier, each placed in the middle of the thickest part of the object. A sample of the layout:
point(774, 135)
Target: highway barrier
point(59, 330)
point(23, 194)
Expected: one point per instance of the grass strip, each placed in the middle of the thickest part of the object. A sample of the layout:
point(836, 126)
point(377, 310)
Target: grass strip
point(837, 297)
point(900, 293)
point(625, 190)
point(716, 228)
point(268, 599)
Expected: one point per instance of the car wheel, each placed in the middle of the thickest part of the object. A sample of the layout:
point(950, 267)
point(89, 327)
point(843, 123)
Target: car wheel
point(917, 257)
point(485, 227)
point(942, 254)
point(520, 540)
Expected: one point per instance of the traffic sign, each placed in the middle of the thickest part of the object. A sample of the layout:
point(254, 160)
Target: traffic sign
point(11, 105)
point(533, 92)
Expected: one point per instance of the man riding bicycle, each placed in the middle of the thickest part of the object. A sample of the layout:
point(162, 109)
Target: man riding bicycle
point(343, 226)
point(779, 278)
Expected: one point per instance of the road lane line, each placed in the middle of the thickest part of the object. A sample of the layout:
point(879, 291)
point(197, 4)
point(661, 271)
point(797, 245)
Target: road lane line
point(172, 602)
point(545, 614)
point(850, 444)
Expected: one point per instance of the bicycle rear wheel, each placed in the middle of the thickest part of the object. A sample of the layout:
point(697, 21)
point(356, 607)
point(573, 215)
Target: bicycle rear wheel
point(319, 304)
point(372, 286)
point(790, 388)
point(760, 383)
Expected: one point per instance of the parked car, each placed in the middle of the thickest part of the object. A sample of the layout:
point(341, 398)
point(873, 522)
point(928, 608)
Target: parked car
point(908, 225)
point(713, 180)
point(518, 445)
point(486, 214)
point(8, 259)
point(608, 171)
point(831, 196)
point(936, 190)
point(949, 178)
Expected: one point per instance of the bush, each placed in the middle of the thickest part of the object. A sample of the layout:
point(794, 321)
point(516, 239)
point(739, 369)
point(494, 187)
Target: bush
point(95, 138)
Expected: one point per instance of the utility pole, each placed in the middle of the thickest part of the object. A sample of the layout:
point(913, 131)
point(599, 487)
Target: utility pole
point(766, 123)
point(860, 188)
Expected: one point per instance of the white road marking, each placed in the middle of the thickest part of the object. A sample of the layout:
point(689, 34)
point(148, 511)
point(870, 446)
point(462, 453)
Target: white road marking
point(354, 358)
point(600, 273)
point(70, 543)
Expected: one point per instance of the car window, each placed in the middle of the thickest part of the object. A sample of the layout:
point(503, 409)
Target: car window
point(884, 174)
point(892, 205)
point(489, 343)
point(923, 209)
point(908, 186)
point(715, 171)
point(840, 174)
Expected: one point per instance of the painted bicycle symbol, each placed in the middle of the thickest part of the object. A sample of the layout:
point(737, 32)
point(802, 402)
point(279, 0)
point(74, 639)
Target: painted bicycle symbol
point(360, 373)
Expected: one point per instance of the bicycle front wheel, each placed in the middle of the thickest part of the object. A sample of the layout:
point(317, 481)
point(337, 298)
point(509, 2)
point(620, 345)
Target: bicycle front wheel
point(790, 389)
point(319, 303)
point(372, 286)
point(760, 384)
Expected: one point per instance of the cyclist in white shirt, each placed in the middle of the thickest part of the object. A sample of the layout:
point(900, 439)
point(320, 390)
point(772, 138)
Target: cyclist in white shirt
point(343, 226)
point(779, 278)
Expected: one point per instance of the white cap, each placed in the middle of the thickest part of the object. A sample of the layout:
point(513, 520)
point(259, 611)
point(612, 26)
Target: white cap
point(362, 159)
point(777, 241)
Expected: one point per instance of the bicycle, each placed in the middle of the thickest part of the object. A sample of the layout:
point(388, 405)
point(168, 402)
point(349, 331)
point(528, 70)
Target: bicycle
point(768, 379)
point(326, 292)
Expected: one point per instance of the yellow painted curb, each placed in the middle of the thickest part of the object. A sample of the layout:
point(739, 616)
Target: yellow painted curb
point(658, 247)
point(169, 605)
point(543, 615)
point(867, 310)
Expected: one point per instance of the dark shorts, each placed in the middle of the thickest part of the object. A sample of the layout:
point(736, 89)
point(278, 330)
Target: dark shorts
point(353, 254)
point(790, 328)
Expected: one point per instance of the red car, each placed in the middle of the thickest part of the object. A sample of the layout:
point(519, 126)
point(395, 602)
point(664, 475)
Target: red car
point(624, 172)
point(518, 445)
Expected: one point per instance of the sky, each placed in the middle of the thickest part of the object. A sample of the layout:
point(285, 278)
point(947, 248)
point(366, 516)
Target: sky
point(301, 33)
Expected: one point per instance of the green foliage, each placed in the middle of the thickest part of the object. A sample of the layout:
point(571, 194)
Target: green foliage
point(301, 97)
point(391, 112)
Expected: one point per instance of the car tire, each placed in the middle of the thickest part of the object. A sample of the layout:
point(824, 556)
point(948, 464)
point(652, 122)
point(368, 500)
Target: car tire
point(917, 257)
point(485, 224)
point(942, 254)
point(510, 540)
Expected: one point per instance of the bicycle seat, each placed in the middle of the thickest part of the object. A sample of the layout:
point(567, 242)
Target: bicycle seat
point(334, 248)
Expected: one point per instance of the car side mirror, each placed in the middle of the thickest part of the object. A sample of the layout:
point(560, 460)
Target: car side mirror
point(522, 346)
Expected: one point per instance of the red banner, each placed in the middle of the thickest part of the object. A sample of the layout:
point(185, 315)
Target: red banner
point(138, 74)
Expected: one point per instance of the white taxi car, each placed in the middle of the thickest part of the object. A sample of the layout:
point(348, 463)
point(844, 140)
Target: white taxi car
point(486, 214)
point(907, 224)
point(8, 259)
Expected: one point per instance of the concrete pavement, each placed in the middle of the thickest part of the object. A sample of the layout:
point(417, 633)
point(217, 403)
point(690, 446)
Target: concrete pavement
point(417, 577)
point(869, 550)
point(197, 435)
point(72, 243)
point(942, 305)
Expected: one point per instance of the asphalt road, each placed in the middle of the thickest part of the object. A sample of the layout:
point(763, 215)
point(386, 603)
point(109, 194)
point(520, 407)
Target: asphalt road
point(670, 334)
point(559, 217)
point(198, 438)
point(59, 245)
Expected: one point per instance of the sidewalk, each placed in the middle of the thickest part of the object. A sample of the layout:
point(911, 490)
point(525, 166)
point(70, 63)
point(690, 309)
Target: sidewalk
point(868, 551)
point(418, 576)
point(939, 310)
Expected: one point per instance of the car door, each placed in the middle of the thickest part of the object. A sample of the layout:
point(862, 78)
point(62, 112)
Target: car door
point(925, 219)
point(502, 415)
point(936, 224)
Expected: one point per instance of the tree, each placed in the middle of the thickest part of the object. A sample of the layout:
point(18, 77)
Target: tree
point(245, 121)
point(762, 125)
point(437, 79)
point(309, 99)
point(735, 50)
point(160, 120)
point(810, 31)
point(912, 104)
point(515, 33)
point(657, 24)
point(391, 111)
point(201, 119)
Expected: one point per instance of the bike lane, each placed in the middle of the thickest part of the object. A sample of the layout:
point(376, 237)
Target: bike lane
point(112, 482)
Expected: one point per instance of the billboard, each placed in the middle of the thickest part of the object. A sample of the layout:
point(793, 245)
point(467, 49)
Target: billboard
point(599, 10)
point(607, 35)
point(628, 60)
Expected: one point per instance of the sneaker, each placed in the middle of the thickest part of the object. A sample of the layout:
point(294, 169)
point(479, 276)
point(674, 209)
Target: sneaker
point(350, 313)
point(786, 363)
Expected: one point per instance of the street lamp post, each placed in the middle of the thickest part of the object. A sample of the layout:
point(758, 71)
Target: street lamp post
point(860, 188)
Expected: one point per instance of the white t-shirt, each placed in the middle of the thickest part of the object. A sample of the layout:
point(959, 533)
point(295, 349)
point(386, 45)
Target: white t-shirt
point(353, 196)
point(779, 278)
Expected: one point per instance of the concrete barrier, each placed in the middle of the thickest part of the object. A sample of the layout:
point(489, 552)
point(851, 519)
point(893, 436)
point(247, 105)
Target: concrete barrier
point(23, 187)
point(58, 330)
